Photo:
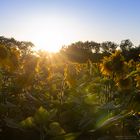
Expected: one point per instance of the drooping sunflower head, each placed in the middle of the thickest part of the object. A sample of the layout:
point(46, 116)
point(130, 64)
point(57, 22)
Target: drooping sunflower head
point(113, 64)
point(3, 52)
point(106, 66)
point(117, 62)
point(124, 83)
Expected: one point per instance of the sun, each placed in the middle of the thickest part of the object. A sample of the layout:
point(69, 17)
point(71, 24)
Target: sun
point(51, 42)
point(51, 33)
point(49, 46)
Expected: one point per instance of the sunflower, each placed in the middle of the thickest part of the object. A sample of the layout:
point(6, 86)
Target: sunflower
point(124, 83)
point(3, 52)
point(117, 62)
point(113, 64)
point(106, 66)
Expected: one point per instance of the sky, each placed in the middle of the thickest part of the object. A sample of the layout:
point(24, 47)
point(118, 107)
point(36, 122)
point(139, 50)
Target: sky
point(53, 23)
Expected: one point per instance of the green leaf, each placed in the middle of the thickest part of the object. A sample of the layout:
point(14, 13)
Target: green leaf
point(41, 116)
point(112, 120)
point(27, 123)
point(11, 123)
point(56, 129)
point(69, 136)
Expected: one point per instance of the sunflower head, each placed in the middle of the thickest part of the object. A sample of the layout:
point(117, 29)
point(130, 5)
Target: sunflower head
point(113, 64)
point(3, 52)
point(106, 66)
point(124, 83)
point(117, 62)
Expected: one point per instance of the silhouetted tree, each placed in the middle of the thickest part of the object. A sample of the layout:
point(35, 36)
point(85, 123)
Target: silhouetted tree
point(81, 51)
point(108, 47)
point(129, 51)
point(24, 46)
point(126, 45)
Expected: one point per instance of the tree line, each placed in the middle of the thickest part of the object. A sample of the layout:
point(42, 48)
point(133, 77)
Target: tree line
point(82, 51)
